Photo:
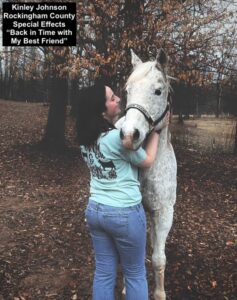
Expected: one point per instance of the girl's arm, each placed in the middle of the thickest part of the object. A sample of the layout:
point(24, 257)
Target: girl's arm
point(152, 144)
point(151, 150)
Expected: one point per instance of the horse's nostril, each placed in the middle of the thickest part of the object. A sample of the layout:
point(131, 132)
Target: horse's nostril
point(121, 135)
point(136, 134)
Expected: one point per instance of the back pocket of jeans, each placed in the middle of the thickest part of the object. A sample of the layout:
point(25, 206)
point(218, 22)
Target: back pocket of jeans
point(116, 225)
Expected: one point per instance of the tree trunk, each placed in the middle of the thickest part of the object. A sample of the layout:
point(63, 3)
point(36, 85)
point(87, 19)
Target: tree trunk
point(219, 97)
point(11, 77)
point(54, 138)
point(24, 97)
point(6, 76)
point(1, 80)
point(235, 146)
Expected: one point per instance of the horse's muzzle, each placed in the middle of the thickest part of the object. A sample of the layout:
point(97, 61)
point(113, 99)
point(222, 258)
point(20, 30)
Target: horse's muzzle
point(129, 141)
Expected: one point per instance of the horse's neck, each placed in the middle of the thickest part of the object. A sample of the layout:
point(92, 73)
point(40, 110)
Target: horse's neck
point(164, 137)
point(165, 147)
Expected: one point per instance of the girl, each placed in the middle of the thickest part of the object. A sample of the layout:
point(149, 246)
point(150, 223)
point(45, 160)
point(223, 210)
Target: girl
point(114, 214)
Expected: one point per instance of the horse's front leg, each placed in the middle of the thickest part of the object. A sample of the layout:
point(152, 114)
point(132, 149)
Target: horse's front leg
point(161, 223)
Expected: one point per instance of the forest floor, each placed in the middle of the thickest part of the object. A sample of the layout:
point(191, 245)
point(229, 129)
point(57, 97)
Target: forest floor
point(45, 248)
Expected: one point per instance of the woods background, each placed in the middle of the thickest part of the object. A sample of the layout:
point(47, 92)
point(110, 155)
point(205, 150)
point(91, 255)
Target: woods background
point(199, 37)
point(45, 247)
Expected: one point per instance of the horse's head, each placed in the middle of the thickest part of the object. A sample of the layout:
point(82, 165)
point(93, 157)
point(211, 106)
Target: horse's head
point(147, 92)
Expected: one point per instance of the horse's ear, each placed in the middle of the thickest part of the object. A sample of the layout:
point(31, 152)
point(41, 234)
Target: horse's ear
point(162, 58)
point(135, 59)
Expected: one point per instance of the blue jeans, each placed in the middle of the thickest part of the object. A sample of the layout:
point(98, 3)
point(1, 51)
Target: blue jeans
point(119, 236)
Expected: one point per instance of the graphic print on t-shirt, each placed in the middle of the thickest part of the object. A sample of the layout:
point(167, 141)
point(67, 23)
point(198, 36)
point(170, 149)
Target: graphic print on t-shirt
point(99, 166)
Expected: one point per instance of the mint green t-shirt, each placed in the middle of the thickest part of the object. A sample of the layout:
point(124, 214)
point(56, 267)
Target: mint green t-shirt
point(114, 175)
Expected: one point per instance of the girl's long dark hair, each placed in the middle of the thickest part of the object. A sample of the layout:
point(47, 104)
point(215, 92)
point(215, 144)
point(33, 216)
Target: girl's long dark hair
point(90, 122)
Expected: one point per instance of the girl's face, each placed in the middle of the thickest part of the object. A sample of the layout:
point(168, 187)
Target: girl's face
point(112, 104)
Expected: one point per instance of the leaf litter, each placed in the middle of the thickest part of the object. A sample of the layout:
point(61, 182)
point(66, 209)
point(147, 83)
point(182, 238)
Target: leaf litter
point(45, 249)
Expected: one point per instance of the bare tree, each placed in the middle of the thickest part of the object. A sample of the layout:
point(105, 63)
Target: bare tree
point(190, 31)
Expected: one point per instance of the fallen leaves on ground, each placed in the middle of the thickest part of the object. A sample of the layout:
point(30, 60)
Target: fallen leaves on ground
point(45, 249)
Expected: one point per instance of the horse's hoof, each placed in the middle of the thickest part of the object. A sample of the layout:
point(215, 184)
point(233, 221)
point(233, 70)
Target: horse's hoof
point(159, 295)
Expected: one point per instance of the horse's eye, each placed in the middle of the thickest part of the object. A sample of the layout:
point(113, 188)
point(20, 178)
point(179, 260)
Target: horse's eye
point(158, 92)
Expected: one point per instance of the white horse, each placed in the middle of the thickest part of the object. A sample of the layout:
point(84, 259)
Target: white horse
point(147, 92)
